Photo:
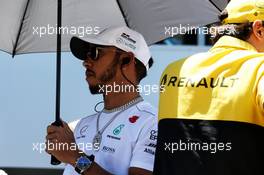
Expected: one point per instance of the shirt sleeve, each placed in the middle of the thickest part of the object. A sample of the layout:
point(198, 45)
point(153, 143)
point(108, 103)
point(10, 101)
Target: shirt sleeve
point(144, 150)
point(73, 124)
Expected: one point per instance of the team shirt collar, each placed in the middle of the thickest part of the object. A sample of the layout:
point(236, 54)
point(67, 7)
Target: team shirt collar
point(232, 42)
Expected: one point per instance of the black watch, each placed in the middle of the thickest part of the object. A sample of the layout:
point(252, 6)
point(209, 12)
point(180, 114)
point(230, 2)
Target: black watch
point(83, 163)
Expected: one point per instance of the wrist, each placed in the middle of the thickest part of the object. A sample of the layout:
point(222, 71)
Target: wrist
point(75, 157)
point(83, 163)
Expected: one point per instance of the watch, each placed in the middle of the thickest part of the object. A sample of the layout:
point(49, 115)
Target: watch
point(83, 163)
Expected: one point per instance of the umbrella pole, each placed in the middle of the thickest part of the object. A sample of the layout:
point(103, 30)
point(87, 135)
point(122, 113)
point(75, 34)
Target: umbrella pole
point(58, 69)
point(58, 121)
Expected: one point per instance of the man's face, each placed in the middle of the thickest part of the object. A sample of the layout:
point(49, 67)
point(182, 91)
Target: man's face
point(101, 68)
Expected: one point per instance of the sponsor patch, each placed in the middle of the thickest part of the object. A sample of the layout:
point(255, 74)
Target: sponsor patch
point(113, 137)
point(118, 129)
point(150, 151)
point(153, 135)
point(108, 149)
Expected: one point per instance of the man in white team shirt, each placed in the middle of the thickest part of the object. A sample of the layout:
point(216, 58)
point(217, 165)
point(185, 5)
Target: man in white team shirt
point(120, 139)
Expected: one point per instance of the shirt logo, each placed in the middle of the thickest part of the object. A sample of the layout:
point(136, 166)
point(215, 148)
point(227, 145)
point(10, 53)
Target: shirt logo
point(82, 132)
point(113, 137)
point(153, 135)
point(118, 129)
point(133, 119)
point(198, 82)
point(149, 151)
point(153, 145)
point(108, 149)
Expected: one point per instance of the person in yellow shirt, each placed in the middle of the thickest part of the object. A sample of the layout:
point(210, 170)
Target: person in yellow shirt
point(211, 113)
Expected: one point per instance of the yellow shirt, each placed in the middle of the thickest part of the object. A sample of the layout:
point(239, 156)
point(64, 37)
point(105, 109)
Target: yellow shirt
point(225, 83)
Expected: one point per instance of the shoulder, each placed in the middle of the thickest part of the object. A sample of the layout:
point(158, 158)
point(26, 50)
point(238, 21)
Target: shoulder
point(145, 108)
point(173, 65)
point(176, 66)
point(148, 115)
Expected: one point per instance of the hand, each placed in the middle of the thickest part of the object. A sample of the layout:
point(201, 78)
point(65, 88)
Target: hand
point(61, 144)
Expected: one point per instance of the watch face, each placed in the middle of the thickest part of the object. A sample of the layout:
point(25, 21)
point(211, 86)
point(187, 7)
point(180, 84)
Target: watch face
point(83, 163)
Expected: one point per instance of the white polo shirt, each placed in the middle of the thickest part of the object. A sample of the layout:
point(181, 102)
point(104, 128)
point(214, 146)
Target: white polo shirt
point(129, 141)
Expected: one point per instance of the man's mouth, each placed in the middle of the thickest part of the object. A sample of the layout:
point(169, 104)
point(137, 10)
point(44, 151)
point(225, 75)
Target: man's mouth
point(89, 73)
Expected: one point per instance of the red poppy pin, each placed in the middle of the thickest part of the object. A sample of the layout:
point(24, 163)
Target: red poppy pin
point(133, 119)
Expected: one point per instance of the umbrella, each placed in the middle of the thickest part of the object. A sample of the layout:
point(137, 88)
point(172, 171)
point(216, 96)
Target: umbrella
point(37, 26)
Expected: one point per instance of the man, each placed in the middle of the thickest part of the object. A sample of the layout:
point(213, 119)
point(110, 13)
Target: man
point(120, 139)
point(212, 110)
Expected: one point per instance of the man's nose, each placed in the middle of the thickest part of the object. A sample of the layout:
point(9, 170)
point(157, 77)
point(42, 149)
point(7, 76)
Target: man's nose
point(87, 63)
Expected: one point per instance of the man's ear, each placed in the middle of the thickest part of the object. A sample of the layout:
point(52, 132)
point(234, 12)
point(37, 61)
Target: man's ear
point(258, 29)
point(127, 58)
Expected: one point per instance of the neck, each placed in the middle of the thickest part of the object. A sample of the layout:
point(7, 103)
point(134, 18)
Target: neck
point(253, 41)
point(114, 100)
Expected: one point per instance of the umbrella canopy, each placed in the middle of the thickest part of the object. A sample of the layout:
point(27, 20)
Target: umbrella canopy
point(29, 26)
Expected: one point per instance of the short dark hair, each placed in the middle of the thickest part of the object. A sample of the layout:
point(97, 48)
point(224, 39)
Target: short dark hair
point(141, 70)
point(241, 30)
